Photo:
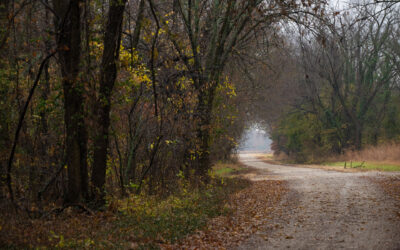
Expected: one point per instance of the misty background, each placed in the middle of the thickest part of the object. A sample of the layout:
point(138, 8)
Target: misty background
point(255, 139)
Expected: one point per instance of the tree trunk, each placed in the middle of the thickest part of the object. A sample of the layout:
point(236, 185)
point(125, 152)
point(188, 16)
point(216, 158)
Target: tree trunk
point(69, 44)
point(108, 74)
point(139, 23)
point(4, 115)
point(358, 136)
point(4, 24)
point(204, 110)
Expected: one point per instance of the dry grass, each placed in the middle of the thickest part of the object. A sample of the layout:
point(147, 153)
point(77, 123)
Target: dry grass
point(385, 153)
point(384, 157)
point(270, 158)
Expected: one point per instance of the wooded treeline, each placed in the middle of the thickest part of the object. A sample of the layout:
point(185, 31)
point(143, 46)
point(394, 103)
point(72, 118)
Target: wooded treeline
point(345, 89)
point(104, 98)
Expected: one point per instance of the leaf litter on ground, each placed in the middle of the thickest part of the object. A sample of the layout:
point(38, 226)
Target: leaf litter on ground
point(250, 209)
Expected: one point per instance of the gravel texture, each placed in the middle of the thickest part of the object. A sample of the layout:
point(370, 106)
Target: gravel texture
point(326, 210)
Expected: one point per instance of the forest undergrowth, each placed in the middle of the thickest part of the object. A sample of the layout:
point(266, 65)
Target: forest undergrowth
point(223, 212)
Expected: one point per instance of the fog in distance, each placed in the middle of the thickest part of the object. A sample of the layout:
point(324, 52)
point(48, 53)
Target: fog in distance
point(255, 139)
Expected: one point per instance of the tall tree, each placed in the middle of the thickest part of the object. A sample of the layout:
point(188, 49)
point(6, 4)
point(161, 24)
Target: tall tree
point(68, 25)
point(212, 31)
point(108, 74)
point(211, 36)
point(4, 24)
point(356, 62)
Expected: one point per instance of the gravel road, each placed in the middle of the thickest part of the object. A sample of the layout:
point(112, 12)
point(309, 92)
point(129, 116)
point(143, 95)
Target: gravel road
point(326, 210)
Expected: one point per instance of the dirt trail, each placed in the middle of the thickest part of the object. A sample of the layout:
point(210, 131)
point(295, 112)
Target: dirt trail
point(326, 210)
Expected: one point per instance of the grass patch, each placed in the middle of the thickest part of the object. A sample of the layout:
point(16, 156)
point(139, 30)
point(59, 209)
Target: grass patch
point(365, 165)
point(173, 218)
point(227, 169)
point(224, 171)
point(138, 221)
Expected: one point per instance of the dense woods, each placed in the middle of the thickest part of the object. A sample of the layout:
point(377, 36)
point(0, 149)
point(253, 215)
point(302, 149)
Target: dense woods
point(104, 99)
point(115, 97)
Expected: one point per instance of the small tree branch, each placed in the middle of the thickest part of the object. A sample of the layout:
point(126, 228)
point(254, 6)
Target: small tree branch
point(21, 120)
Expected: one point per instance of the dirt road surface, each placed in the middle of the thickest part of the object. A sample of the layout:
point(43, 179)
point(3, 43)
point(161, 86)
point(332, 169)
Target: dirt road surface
point(326, 210)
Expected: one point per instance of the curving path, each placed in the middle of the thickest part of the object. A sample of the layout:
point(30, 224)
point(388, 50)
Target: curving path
point(326, 210)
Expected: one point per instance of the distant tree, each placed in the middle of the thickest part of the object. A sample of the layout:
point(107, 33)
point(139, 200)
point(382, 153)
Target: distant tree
point(348, 86)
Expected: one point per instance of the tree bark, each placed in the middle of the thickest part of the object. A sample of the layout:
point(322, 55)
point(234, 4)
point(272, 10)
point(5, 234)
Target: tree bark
point(4, 24)
point(108, 74)
point(69, 44)
point(138, 25)
point(4, 127)
point(204, 110)
point(358, 136)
